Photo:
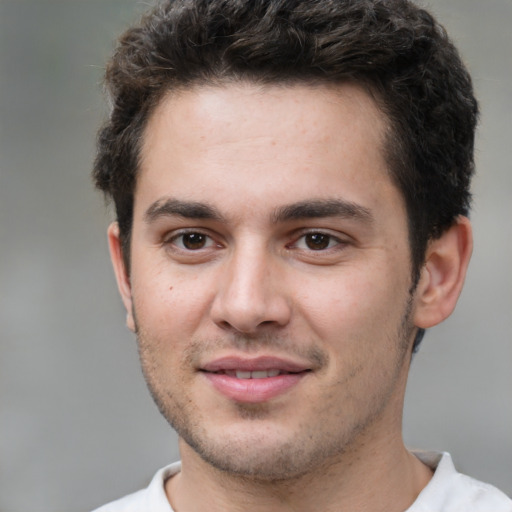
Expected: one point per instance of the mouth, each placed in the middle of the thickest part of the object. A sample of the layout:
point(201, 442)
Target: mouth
point(253, 380)
point(259, 374)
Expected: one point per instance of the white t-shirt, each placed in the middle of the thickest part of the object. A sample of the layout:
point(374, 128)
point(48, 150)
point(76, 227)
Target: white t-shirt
point(447, 491)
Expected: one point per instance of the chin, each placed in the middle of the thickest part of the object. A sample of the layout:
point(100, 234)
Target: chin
point(261, 451)
point(256, 460)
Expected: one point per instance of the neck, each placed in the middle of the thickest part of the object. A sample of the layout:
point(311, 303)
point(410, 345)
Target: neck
point(385, 477)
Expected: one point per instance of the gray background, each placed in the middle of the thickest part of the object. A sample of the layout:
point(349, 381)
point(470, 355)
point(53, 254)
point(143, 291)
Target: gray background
point(77, 426)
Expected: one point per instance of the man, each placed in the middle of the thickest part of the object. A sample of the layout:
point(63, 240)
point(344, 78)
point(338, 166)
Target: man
point(291, 183)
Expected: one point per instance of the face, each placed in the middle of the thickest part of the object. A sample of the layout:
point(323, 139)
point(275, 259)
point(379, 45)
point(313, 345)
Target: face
point(270, 276)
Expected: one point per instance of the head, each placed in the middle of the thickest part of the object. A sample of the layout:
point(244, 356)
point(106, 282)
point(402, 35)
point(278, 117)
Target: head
point(290, 180)
point(396, 51)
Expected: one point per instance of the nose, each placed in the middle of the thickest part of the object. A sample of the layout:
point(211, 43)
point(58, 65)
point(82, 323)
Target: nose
point(251, 293)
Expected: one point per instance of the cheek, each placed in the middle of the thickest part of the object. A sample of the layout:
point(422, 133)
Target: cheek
point(356, 306)
point(167, 303)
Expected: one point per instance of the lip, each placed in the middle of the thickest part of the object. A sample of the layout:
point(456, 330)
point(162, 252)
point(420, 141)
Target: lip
point(254, 390)
point(254, 364)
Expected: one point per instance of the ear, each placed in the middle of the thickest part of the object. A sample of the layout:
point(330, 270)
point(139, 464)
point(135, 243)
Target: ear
point(120, 270)
point(443, 274)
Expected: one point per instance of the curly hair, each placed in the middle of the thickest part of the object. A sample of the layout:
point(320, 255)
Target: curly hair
point(396, 50)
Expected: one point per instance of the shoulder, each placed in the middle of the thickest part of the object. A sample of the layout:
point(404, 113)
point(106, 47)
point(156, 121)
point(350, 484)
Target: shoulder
point(450, 491)
point(473, 495)
point(152, 498)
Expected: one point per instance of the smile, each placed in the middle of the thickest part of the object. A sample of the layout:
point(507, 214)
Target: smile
point(253, 380)
point(259, 374)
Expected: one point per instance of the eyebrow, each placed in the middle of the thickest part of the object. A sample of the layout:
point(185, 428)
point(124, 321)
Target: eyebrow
point(170, 207)
point(319, 208)
point(309, 209)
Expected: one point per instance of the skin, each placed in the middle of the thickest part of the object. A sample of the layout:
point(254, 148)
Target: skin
point(237, 251)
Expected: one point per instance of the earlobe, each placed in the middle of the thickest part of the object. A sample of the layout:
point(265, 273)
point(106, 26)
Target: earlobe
point(121, 273)
point(443, 274)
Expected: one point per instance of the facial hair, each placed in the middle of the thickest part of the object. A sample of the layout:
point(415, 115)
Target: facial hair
point(311, 447)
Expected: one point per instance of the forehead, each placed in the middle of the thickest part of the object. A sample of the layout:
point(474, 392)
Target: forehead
point(247, 106)
point(251, 141)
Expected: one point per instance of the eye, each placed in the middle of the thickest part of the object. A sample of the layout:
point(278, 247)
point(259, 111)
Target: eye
point(192, 241)
point(317, 241)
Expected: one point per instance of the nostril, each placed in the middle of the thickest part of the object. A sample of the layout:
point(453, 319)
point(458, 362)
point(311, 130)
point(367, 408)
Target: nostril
point(248, 303)
point(224, 324)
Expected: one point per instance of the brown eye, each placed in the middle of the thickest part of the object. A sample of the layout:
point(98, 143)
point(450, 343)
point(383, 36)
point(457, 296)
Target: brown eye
point(192, 241)
point(317, 241)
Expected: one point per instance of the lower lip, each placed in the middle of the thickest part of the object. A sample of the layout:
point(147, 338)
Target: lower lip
point(253, 390)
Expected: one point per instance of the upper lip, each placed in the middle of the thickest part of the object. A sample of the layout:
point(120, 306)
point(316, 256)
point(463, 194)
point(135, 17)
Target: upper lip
point(254, 364)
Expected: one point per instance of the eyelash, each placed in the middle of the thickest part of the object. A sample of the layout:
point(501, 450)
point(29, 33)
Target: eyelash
point(173, 240)
point(332, 241)
point(326, 241)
